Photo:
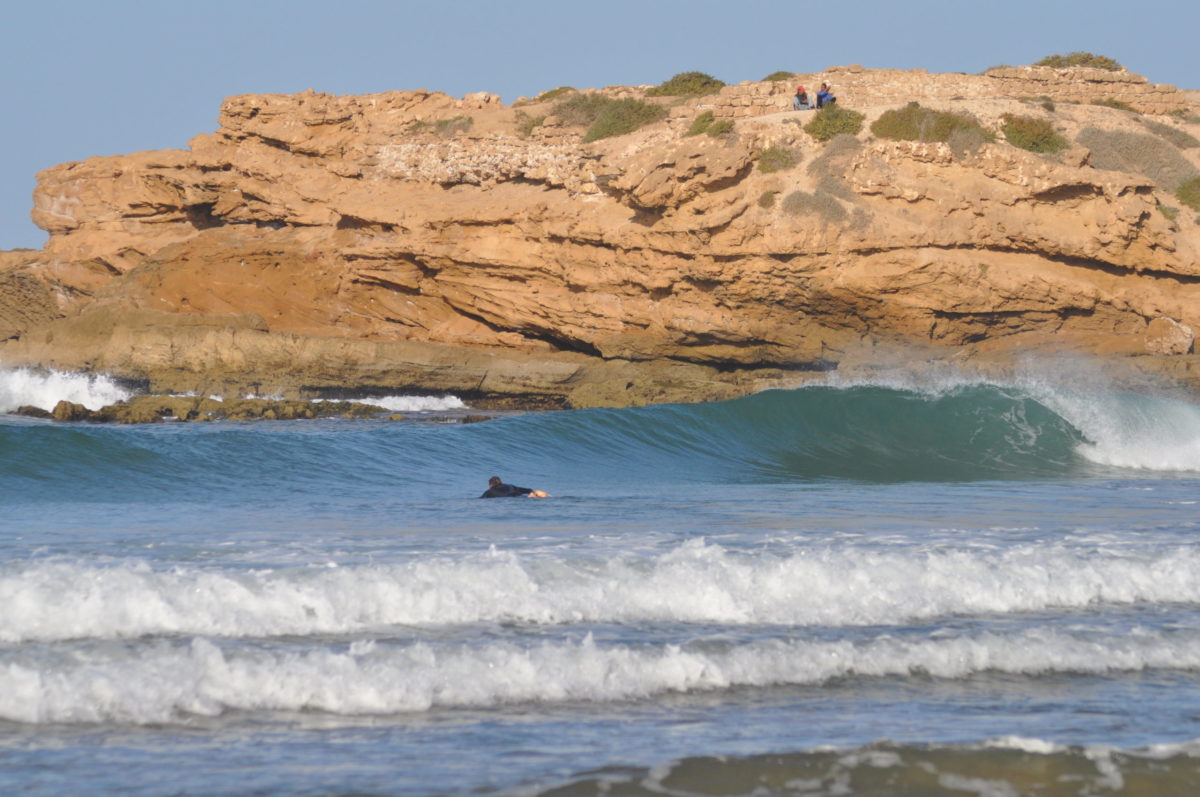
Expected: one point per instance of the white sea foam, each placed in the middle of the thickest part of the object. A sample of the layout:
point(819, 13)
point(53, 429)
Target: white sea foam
point(1122, 429)
point(695, 583)
point(1025, 745)
point(1131, 431)
point(26, 387)
point(415, 403)
point(161, 681)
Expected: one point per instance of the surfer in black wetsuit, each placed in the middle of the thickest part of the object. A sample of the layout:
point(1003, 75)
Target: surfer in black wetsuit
point(498, 489)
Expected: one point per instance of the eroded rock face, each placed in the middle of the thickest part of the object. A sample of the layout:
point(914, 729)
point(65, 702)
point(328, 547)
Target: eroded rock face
point(408, 238)
point(1168, 336)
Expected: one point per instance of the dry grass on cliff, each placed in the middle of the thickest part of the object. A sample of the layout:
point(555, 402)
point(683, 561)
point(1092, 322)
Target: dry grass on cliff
point(446, 128)
point(1139, 153)
point(1112, 102)
point(1184, 115)
point(831, 166)
point(800, 203)
point(1180, 138)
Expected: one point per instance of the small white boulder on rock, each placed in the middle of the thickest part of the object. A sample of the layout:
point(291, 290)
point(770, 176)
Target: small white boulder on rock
point(1168, 336)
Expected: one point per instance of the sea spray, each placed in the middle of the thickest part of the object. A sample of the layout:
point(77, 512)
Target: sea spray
point(399, 403)
point(44, 389)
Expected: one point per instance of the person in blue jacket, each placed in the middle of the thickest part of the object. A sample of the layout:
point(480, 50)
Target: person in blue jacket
point(498, 489)
point(825, 96)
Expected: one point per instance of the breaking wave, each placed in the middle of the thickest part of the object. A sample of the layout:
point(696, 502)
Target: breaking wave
point(163, 681)
point(27, 387)
point(861, 433)
point(696, 582)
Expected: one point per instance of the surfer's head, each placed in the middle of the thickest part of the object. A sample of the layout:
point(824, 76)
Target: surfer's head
point(492, 482)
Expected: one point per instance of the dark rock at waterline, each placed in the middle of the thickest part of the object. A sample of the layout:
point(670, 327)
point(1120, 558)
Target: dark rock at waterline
point(32, 412)
point(157, 408)
point(69, 411)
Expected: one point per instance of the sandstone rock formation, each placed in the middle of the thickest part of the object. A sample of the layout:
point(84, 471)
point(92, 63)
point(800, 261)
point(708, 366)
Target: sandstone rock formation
point(411, 241)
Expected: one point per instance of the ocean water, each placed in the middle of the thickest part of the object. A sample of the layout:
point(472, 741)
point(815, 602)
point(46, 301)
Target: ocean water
point(960, 588)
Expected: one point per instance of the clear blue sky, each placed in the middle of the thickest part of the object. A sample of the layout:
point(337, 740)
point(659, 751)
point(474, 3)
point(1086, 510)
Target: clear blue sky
point(90, 78)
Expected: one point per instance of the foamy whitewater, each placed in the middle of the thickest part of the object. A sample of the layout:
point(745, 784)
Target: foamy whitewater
point(21, 387)
point(958, 588)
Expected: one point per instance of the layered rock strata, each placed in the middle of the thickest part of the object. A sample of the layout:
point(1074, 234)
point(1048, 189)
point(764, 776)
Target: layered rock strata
point(411, 241)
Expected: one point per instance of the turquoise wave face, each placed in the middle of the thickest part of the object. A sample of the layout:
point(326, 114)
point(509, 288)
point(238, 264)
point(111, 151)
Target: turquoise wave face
point(870, 434)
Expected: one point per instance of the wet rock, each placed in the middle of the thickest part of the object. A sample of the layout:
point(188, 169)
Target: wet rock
point(32, 412)
point(69, 411)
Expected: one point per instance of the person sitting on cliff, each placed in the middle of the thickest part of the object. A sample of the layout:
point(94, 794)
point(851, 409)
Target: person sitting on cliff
point(800, 100)
point(825, 96)
point(498, 489)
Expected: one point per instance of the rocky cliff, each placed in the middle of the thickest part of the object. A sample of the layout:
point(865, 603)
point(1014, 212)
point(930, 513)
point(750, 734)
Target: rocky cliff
point(414, 241)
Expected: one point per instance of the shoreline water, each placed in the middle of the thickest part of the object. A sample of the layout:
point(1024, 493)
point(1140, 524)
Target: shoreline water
point(962, 588)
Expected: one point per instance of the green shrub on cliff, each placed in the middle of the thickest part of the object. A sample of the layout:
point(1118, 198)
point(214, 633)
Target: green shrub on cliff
point(777, 159)
point(604, 116)
point(1080, 59)
point(1033, 134)
point(527, 123)
point(700, 124)
point(580, 110)
point(687, 84)
point(915, 123)
point(834, 120)
point(775, 77)
point(554, 94)
point(1139, 153)
point(1189, 193)
point(720, 128)
point(619, 117)
point(706, 123)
